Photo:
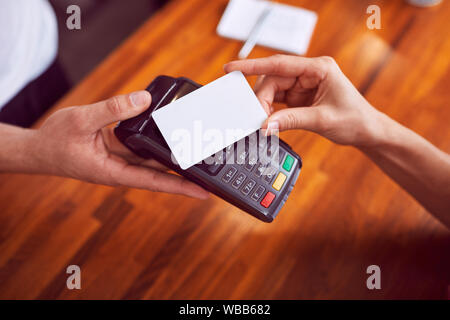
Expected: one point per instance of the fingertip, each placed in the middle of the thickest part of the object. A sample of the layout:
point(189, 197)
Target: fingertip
point(199, 193)
point(193, 190)
point(226, 67)
point(230, 66)
point(202, 193)
point(148, 98)
point(140, 99)
point(205, 195)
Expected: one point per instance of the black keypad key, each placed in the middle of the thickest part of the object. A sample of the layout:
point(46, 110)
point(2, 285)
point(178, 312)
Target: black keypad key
point(241, 155)
point(269, 173)
point(214, 163)
point(229, 174)
point(262, 143)
point(252, 160)
point(248, 186)
point(264, 158)
point(214, 168)
point(258, 193)
point(260, 168)
point(230, 152)
point(275, 154)
point(249, 166)
point(239, 180)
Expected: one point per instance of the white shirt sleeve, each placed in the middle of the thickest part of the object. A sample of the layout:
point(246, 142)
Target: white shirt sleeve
point(29, 43)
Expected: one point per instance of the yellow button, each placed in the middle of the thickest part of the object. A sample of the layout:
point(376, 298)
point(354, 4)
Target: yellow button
point(279, 181)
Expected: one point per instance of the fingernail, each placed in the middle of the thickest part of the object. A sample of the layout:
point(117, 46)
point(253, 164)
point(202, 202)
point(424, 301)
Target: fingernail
point(139, 98)
point(272, 128)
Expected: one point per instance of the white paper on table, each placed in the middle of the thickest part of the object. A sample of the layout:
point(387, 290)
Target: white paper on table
point(286, 28)
point(210, 118)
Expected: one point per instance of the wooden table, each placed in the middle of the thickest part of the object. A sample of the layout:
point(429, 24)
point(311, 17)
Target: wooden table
point(343, 215)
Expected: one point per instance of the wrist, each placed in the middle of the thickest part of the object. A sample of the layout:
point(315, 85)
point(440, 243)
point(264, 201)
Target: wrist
point(17, 153)
point(30, 151)
point(378, 131)
point(38, 155)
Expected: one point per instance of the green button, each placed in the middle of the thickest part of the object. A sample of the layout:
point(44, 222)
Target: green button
point(288, 162)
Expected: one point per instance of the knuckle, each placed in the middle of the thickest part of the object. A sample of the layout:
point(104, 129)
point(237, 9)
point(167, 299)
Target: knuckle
point(328, 62)
point(292, 121)
point(278, 56)
point(114, 107)
point(277, 61)
point(155, 180)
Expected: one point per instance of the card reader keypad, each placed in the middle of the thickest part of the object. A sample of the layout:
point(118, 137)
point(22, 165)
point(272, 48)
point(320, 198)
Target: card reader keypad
point(269, 173)
point(239, 180)
point(248, 186)
point(229, 174)
point(258, 193)
point(260, 180)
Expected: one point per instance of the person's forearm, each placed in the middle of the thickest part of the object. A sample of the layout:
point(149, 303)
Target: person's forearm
point(414, 163)
point(16, 152)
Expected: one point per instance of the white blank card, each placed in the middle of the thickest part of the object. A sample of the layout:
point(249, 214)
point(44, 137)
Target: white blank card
point(209, 119)
point(286, 28)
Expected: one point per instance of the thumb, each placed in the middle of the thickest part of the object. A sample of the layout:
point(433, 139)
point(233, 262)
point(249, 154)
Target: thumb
point(306, 118)
point(117, 108)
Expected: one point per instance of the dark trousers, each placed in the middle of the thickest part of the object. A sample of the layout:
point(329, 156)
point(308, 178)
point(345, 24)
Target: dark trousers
point(38, 96)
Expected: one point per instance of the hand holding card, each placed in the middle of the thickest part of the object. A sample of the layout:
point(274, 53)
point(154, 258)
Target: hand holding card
point(256, 174)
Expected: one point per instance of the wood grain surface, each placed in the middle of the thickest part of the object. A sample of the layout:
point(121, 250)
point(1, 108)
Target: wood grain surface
point(343, 215)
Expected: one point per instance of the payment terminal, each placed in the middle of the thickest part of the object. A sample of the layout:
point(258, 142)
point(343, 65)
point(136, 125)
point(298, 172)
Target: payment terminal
point(258, 183)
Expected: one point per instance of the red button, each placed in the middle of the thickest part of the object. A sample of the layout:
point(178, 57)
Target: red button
point(267, 199)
